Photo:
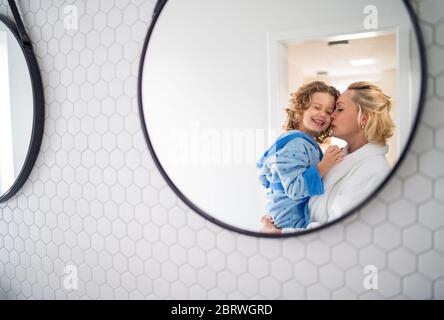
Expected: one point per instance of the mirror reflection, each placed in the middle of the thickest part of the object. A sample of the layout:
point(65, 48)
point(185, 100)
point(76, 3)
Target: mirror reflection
point(280, 116)
point(16, 109)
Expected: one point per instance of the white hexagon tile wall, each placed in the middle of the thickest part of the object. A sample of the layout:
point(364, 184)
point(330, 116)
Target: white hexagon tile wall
point(96, 201)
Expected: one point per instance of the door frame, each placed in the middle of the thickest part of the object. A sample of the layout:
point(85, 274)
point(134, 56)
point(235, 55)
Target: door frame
point(277, 56)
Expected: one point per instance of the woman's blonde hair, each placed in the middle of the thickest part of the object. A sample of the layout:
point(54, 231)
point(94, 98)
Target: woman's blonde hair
point(373, 103)
point(300, 101)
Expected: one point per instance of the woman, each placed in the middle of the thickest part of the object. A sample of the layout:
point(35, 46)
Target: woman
point(362, 119)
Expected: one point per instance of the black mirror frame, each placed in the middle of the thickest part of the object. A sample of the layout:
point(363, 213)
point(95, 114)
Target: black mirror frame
point(423, 90)
point(38, 97)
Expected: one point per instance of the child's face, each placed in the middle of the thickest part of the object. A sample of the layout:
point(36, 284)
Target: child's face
point(317, 117)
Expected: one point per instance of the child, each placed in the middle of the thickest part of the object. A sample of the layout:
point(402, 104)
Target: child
point(291, 169)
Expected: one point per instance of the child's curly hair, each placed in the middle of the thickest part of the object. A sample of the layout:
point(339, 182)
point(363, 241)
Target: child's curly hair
point(300, 101)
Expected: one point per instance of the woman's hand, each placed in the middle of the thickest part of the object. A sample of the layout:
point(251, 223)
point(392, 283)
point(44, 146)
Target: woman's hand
point(268, 226)
point(332, 156)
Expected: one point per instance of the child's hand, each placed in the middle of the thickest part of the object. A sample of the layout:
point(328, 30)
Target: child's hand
point(268, 226)
point(332, 156)
point(267, 218)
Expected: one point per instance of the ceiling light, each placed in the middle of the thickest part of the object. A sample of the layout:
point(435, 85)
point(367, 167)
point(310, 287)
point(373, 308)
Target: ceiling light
point(362, 62)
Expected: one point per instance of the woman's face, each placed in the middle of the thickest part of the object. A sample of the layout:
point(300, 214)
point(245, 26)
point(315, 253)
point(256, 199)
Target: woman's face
point(344, 121)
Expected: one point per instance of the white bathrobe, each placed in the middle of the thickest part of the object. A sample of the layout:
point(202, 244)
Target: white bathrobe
point(351, 181)
point(348, 183)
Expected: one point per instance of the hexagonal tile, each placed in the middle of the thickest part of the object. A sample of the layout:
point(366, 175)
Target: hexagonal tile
point(402, 213)
point(416, 286)
point(293, 290)
point(440, 91)
point(205, 239)
point(388, 284)
point(431, 214)
point(434, 57)
point(354, 279)
point(439, 240)
point(248, 246)
point(402, 261)
point(431, 265)
point(372, 214)
point(387, 236)
point(431, 10)
point(438, 292)
point(169, 271)
point(331, 276)
point(216, 261)
point(418, 188)
point(281, 269)
point(248, 284)
point(225, 242)
point(332, 236)
point(269, 249)
point(258, 266)
point(433, 116)
point(358, 234)
point(417, 238)
point(168, 235)
point(430, 163)
point(318, 292)
point(318, 252)
point(344, 255)
point(236, 263)
point(226, 281)
point(270, 288)
point(343, 294)
point(196, 257)
point(423, 139)
point(186, 237)
point(392, 190)
point(305, 273)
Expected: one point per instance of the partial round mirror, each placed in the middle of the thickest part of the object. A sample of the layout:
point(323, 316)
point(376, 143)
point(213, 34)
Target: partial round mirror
point(280, 117)
point(21, 109)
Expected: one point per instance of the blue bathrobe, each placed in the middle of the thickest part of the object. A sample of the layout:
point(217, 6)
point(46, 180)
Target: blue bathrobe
point(288, 169)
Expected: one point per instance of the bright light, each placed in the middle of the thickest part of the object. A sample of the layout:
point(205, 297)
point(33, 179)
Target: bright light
point(362, 62)
point(337, 142)
point(7, 151)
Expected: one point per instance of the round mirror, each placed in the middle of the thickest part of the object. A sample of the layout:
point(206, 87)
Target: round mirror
point(279, 117)
point(21, 109)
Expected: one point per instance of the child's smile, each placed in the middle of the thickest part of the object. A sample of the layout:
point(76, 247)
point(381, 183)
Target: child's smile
point(317, 117)
point(319, 123)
